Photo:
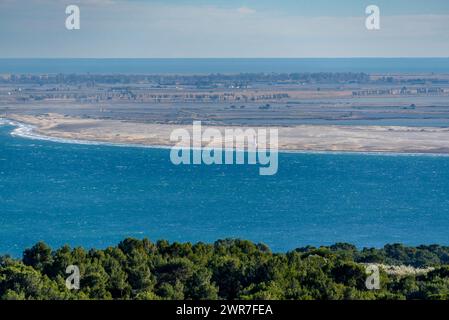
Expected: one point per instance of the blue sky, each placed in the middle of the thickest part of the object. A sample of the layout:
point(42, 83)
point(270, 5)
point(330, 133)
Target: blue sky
point(217, 28)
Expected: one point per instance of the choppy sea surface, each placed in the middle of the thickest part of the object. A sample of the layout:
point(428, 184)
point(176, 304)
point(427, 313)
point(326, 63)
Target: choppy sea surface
point(95, 195)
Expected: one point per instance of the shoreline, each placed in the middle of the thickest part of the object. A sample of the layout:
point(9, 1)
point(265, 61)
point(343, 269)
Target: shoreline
point(26, 131)
point(34, 128)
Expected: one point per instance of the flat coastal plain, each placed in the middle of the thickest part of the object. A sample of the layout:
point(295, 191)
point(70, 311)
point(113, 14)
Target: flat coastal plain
point(402, 113)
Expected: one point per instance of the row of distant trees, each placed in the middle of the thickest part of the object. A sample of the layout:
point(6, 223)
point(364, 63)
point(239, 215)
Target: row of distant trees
point(231, 80)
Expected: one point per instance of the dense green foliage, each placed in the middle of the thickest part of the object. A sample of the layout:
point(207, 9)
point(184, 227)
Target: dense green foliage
point(227, 269)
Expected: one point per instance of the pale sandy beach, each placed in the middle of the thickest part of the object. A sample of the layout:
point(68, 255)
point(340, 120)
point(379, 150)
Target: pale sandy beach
point(291, 138)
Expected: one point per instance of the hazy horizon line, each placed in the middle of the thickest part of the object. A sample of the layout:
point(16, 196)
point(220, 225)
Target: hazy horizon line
point(221, 58)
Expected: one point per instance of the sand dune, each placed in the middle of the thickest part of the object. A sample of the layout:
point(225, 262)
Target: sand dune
point(300, 138)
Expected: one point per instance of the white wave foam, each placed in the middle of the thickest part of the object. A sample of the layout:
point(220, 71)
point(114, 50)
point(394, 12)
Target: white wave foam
point(27, 131)
point(369, 153)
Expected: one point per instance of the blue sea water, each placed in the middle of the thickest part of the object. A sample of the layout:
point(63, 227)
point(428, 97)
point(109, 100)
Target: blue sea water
point(95, 195)
point(239, 65)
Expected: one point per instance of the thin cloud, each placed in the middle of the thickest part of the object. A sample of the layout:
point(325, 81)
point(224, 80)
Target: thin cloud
point(245, 10)
point(144, 29)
